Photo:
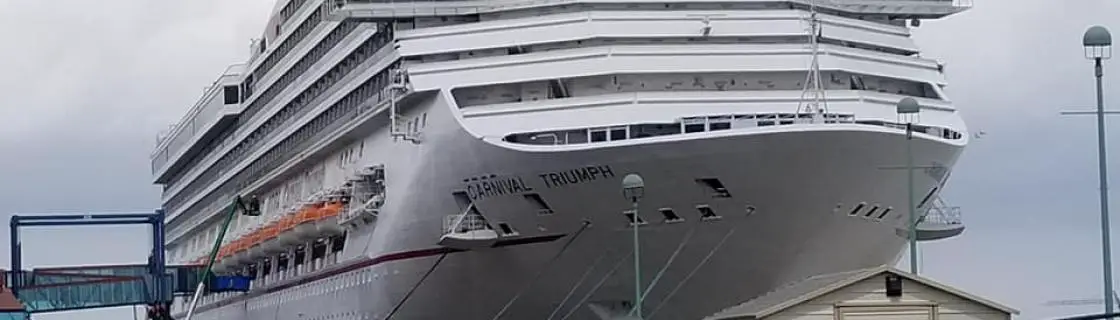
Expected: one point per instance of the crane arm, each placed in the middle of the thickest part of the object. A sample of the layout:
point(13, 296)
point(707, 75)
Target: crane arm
point(248, 208)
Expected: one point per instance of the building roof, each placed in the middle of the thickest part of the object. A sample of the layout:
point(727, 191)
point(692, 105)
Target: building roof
point(809, 288)
point(8, 301)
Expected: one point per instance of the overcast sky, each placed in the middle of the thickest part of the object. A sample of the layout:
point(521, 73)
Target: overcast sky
point(85, 86)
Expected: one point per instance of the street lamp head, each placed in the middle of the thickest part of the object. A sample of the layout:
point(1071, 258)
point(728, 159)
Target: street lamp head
point(633, 186)
point(1098, 43)
point(907, 106)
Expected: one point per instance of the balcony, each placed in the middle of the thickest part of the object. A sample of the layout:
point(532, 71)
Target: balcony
point(215, 112)
point(939, 222)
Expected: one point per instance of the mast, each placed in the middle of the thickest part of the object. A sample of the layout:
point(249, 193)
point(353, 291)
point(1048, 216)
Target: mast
point(813, 99)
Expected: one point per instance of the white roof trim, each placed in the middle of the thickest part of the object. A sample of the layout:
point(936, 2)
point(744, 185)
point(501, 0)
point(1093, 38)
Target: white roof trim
point(855, 277)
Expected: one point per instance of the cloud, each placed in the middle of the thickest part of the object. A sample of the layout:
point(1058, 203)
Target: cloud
point(134, 66)
point(84, 87)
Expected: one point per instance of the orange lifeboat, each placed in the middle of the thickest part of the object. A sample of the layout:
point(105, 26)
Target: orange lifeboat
point(305, 223)
point(240, 254)
point(270, 242)
point(327, 219)
point(223, 262)
point(287, 226)
point(253, 245)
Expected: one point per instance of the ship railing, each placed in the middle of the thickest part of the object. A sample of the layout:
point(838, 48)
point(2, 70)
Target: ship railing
point(427, 8)
point(940, 213)
point(464, 222)
point(952, 3)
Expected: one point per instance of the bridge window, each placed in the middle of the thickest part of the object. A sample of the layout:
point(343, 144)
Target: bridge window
point(653, 130)
point(719, 123)
point(598, 135)
point(231, 95)
point(618, 133)
point(693, 125)
point(576, 136)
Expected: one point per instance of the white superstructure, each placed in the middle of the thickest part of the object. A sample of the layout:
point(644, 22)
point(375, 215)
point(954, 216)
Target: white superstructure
point(463, 159)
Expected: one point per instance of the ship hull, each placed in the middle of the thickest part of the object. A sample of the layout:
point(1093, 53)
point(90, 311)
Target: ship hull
point(792, 189)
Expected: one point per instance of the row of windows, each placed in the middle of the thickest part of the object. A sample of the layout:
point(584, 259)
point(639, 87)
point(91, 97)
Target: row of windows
point(326, 286)
point(246, 87)
point(687, 125)
point(290, 43)
point(703, 124)
point(299, 256)
point(298, 69)
point(298, 106)
point(282, 83)
point(264, 279)
point(588, 86)
point(342, 111)
point(289, 10)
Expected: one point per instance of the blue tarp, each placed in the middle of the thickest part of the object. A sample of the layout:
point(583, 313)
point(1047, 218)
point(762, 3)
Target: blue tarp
point(230, 284)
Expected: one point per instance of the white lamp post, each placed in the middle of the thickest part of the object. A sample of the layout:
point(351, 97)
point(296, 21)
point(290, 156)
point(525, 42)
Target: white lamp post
point(909, 106)
point(633, 188)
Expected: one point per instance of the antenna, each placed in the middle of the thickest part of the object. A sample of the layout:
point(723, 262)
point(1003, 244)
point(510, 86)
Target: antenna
point(816, 105)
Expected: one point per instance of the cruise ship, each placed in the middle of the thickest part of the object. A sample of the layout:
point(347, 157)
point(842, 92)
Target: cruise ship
point(464, 159)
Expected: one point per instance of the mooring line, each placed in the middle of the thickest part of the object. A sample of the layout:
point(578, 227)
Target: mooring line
point(540, 272)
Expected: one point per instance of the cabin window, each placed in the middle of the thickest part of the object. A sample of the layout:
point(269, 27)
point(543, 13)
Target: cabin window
point(618, 133)
point(598, 135)
point(231, 94)
point(653, 130)
point(719, 123)
point(693, 125)
point(576, 136)
point(282, 263)
point(300, 255)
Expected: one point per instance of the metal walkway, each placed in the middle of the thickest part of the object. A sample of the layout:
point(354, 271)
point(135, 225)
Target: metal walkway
point(89, 287)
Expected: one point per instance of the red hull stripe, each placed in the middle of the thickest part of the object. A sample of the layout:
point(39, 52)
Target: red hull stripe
point(368, 262)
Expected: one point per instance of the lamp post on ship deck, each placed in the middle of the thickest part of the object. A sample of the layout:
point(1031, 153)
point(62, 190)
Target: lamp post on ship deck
point(905, 108)
point(633, 187)
point(1098, 47)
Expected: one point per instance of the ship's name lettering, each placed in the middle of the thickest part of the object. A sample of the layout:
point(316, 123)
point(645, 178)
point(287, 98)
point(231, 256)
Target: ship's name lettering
point(497, 187)
point(576, 176)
